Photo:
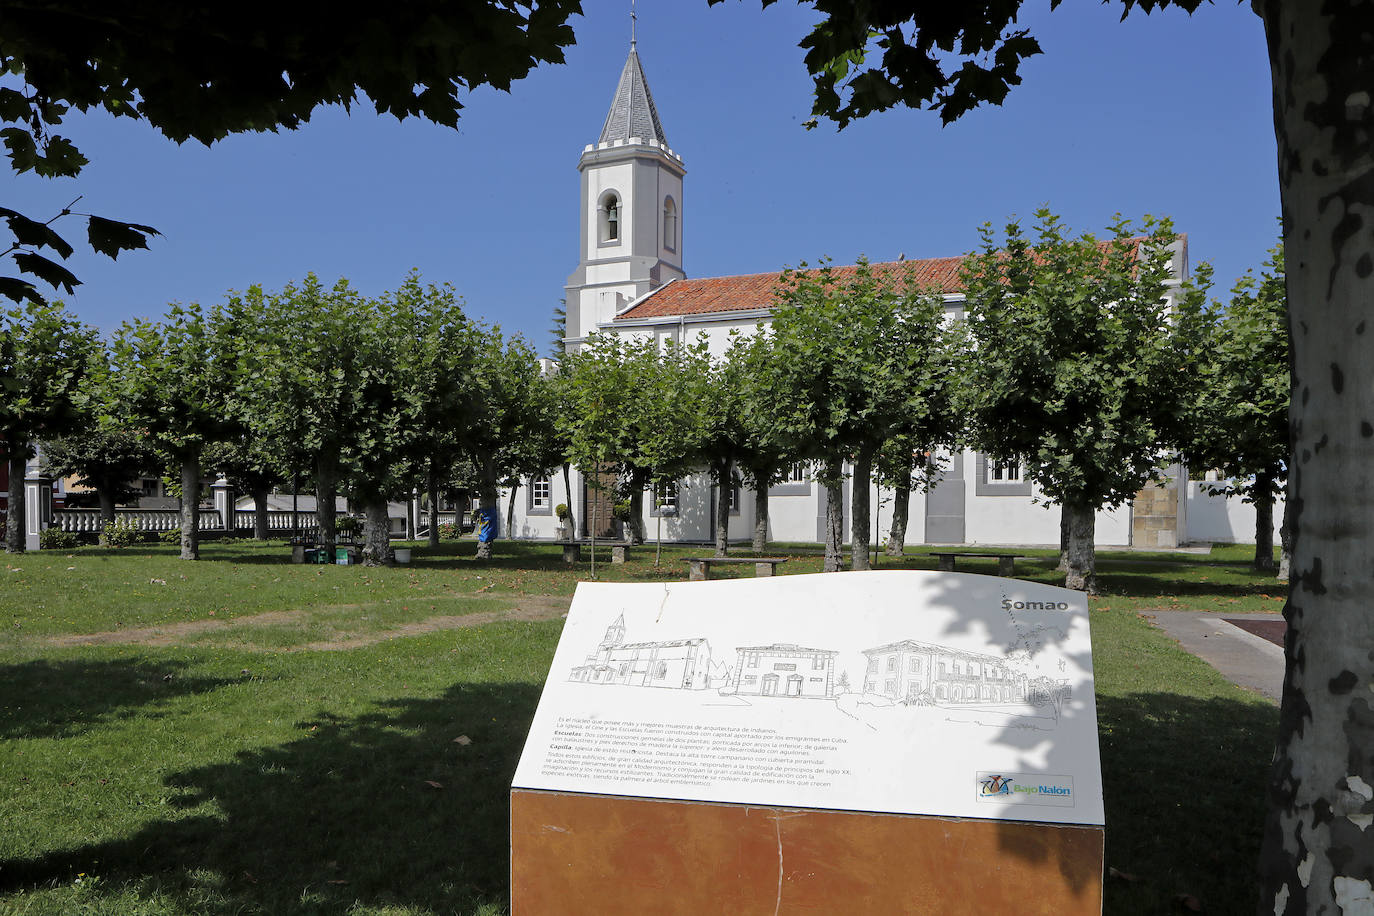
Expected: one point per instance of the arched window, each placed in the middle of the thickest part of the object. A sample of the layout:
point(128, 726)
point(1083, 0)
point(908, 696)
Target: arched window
point(610, 218)
point(669, 224)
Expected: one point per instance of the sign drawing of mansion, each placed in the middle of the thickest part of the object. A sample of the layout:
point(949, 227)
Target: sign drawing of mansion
point(922, 672)
point(683, 664)
point(784, 670)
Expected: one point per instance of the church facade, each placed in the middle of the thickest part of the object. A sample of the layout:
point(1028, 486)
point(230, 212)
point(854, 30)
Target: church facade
point(631, 280)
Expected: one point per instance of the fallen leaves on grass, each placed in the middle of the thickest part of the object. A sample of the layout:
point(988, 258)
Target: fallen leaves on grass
point(464, 740)
point(434, 785)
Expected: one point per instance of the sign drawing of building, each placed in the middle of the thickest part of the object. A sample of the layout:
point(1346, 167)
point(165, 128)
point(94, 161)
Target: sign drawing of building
point(919, 672)
point(784, 670)
point(682, 664)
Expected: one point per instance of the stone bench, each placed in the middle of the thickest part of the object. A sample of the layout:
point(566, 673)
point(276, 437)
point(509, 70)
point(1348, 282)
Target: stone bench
point(1006, 562)
point(572, 551)
point(699, 568)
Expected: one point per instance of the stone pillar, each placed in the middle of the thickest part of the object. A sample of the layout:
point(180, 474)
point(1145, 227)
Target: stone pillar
point(1157, 512)
point(38, 515)
point(225, 505)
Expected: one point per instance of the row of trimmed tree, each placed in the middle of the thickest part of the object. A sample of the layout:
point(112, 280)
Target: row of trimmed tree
point(1068, 360)
point(377, 396)
point(1075, 359)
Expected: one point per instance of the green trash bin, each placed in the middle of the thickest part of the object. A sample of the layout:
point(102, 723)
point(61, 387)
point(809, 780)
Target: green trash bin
point(342, 557)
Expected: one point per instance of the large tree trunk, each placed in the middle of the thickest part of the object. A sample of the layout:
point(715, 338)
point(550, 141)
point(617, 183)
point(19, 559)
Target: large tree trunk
point(759, 543)
point(859, 518)
point(377, 533)
point(1080, 555)
point(106, 494)
point(510, 507)
point(262, 528)
point(634, 526)
point(725, 471)
point(432, 485)
point(190, 508)
point(833, 479)
point(568, 501)
point(489, 502)
point(326, 489)
point(1063, 541)
point(1264, 523)
point(1317, 855)
point(14, 518)
point(901, 506)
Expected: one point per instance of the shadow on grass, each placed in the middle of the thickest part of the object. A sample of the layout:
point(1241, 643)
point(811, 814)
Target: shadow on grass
point(1184, 782)
point(60, 699)
point(386, 809)
point(1161, 584)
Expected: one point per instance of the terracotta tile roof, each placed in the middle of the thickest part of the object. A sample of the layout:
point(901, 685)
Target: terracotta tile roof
point(756, 291)
point(746, 292)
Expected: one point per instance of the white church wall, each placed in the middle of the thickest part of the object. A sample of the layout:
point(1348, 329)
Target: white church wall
point(1217, 519)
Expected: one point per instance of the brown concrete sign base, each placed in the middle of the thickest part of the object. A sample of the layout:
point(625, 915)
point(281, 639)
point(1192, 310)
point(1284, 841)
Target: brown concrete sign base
point(573, 853)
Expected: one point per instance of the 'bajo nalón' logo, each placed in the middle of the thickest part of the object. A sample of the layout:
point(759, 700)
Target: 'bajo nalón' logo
point(995, 785)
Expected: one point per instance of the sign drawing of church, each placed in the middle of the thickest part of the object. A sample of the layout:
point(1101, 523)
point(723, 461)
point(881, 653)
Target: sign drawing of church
point(682, 664)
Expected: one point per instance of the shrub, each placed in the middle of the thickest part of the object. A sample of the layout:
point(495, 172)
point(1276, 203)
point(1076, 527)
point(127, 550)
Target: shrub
point(121, 533)
point(622, 510)
point(448, 531)
point(56, 539)
point(561, 510)
point(348, 526)
point(170, 536)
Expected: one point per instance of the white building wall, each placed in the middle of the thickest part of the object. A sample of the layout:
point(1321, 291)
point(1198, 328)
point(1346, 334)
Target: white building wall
point(1217, 519)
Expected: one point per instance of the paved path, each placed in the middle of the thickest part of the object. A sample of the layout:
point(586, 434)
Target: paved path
point(1243, 658)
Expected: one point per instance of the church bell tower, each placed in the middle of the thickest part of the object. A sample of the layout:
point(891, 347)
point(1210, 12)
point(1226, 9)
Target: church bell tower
point(631, 210)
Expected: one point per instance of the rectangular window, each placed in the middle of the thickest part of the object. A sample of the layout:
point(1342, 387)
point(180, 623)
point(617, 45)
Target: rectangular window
point(794, 481)
point(796, 472)
point(892, 663)
point(540, 497)
point(1004, 472)
point(817, 661)
point(664, 499)
point(915, 666)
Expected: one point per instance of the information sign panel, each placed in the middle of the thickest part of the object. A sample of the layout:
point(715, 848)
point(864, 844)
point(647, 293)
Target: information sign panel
point(906, 692)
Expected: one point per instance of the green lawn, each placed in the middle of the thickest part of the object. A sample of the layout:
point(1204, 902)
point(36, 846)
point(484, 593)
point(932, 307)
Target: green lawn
point(241, 735)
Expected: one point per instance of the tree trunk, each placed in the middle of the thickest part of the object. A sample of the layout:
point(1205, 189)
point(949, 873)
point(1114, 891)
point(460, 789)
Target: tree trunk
point(295, 505)
point(1317, 856)
point(377, 533)
point(834, 516)
point(190, 508)
point(1264, 523)
point(1286, 536)
point(510, 507)
point(1063, 540)
point(14, 519)
point(1081, 556)
point(106, 494)
point(759, 543)
point(490, 506)
point(724, 478)
point(634, 530)
point(859, 518)
point(262, 529)
point(432, 484)
point(568, 501)
point(410, 515)
point(326, 489)
point(901, 507)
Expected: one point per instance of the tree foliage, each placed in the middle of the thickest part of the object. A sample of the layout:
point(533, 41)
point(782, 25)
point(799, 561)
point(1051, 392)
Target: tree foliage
point(202, 72)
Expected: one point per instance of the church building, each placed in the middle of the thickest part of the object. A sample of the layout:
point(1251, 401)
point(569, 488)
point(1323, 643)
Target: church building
point(631, 280)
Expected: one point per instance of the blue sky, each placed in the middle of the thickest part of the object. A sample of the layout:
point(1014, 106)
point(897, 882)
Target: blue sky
point(1166, 114)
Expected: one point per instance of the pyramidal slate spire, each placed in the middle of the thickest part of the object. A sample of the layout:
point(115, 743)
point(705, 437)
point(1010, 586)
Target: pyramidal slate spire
point(633, 113)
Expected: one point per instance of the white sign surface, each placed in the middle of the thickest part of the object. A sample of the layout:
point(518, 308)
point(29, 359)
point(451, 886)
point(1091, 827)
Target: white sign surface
point(906, 692)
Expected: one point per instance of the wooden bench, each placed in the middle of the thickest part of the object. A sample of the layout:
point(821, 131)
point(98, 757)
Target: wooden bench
point(1006, 562)
point(699, 568)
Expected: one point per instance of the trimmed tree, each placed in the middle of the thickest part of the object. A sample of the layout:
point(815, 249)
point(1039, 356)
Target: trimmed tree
point(1076, 373)
point(45, 354)
point(861, 356)
point(1240, 417)
point(173, 376)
